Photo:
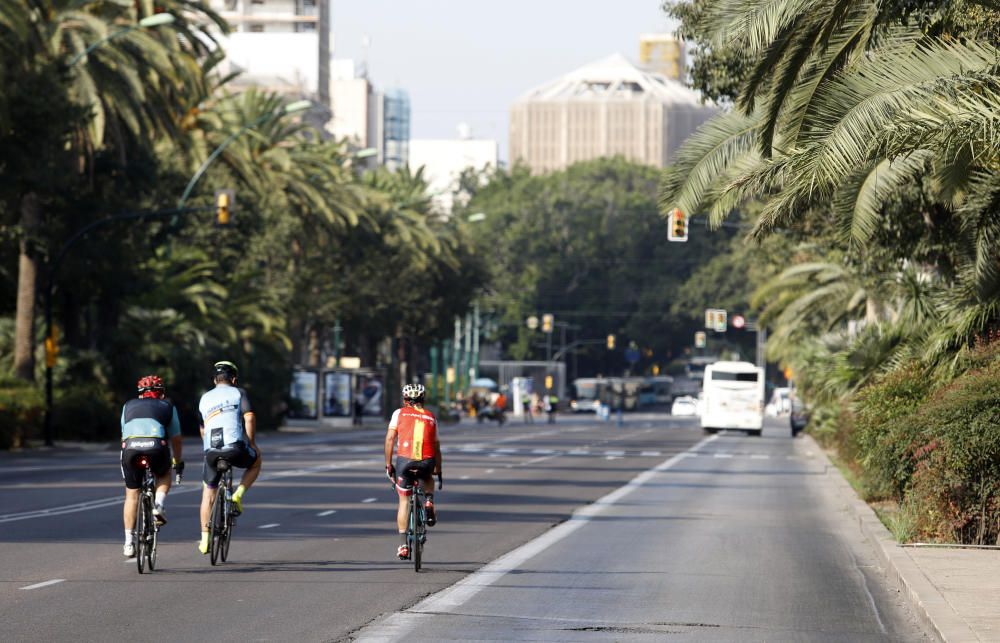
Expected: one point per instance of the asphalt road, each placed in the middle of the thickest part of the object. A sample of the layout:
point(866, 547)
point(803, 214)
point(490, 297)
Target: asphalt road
point(734, 538)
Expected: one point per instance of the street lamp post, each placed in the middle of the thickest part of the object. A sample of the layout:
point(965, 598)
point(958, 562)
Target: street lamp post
point(148, 22)
point(290, 108)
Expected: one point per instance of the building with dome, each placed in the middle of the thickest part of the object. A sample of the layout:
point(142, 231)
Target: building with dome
point(607, 108)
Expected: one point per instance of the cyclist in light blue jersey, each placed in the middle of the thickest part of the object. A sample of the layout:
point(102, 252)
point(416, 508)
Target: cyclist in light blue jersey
point(228, 428)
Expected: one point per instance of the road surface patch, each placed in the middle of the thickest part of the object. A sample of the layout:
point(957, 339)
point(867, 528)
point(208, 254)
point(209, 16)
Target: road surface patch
point(398, 626)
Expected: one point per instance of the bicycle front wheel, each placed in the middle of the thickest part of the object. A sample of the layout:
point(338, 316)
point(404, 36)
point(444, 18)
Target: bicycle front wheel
point(216, 526)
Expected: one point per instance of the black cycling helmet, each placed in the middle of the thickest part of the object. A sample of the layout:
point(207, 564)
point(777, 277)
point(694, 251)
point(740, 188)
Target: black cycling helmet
point(226, 368)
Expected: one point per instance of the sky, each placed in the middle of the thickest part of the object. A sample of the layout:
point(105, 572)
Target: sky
point(469, 60)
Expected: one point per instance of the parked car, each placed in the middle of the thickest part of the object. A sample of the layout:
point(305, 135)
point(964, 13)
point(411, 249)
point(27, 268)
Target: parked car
point(799, 416)
point(684, 405)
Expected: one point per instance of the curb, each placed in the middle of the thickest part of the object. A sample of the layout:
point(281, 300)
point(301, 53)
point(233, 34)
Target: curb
point(929, 605)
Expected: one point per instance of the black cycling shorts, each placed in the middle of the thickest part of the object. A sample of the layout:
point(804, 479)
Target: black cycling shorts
point(408, 472)
point(239, 455)
point(157, 454)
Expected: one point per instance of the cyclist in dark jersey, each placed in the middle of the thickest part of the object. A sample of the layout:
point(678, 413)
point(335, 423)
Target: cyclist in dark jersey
point(413, 435)
point(148, 423)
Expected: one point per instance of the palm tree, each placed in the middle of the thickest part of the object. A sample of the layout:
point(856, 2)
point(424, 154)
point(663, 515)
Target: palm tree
point(126, 84)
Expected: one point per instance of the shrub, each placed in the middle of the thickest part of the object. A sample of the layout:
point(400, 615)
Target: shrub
point(885, 435)
point(86, 412)
point(956, 466)
point(22, 410)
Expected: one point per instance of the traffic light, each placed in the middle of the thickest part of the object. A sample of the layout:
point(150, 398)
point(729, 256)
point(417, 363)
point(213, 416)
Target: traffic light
point(547, 321)
point(52, 348)
point(611, 342)
point(548, 382)
point(223, 207)
point(678, 230)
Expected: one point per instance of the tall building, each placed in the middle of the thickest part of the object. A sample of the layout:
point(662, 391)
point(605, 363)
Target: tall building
point(368, 119)
point(395, 128)
point(444, 160)
point(279, 45)
point(663, 54)
point(357, 108)
point(607, 108)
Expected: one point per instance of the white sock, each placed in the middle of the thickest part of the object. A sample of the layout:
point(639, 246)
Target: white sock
point(128, 536)
point(160, 498)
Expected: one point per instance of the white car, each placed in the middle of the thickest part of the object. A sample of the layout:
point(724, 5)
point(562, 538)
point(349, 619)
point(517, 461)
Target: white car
point(684, 405)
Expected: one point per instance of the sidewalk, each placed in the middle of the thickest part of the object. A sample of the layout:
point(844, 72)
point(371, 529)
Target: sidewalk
point(955, 591)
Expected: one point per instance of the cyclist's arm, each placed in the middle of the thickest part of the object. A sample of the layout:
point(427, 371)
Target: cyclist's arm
point(176, 439)
point(249, 419)
point(390, 444)
point(250, 425)
point(437, 457)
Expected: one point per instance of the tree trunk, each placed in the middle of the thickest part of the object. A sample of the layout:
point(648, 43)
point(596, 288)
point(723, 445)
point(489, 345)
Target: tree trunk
point(27, 288)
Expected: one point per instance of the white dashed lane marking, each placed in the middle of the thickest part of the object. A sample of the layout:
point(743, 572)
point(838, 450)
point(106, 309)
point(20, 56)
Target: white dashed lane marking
point(44, 584)
point(327, 512)
point(368, 500)
point(270, 525)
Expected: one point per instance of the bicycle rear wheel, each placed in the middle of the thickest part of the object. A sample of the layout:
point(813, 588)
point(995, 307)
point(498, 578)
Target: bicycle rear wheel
point(416, 528)
point(141, 527)
point(227, 532)
point(216, 525)
point(152, 531)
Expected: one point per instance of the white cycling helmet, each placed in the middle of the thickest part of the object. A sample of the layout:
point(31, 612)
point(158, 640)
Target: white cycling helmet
point(413, 392)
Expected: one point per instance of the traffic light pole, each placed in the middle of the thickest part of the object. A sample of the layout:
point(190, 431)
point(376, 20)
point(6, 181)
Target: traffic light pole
point(53, 268)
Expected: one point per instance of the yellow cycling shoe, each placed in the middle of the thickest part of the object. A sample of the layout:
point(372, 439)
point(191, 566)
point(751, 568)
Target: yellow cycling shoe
point(238, 499)
point(203, 545)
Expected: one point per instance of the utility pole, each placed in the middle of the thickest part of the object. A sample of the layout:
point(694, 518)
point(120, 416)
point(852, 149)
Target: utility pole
point(475, 342)
point(467, 362)
point(761, 344)
point(457, 355)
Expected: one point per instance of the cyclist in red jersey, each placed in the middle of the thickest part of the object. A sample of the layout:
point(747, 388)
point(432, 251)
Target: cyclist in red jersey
point(413, 435)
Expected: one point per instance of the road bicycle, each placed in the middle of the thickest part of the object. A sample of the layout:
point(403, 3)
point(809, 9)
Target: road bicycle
point(146, 528)
point(416, 531)
point(223, 518)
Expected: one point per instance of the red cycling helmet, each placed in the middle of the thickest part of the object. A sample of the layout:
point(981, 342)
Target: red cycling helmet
point(151, 386)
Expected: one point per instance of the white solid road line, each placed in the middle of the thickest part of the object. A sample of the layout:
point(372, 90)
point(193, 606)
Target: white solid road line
point(45, 584)
point(270, 525)
point(397, 626)
point(328, 512)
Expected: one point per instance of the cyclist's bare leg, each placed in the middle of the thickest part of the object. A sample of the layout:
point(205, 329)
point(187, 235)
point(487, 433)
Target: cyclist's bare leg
point(207, 498)
point(163, 482)
point(250, 475)
point(403, 515)
point(131, 507)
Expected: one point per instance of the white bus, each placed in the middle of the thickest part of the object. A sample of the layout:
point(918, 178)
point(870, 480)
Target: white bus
point(733, 397)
